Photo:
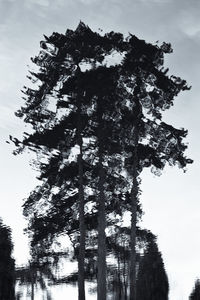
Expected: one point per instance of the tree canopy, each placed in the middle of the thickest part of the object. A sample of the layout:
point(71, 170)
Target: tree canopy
point(96, 116)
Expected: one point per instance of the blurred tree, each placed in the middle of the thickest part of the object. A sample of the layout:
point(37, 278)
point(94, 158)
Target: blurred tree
point(7, 265)
point(152, 281)
point(151, 141)
point(73, 49)
point(109, 114)
point(35, 275)
point(119, 249)
point(195, 295)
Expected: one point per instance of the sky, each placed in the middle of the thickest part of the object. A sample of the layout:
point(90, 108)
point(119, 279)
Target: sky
point(171, 202)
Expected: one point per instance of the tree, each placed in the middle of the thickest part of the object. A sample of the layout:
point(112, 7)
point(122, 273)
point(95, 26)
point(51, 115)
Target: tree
point(152, 142)
point(112, 115)
point(32, 276)
point(152, 281)
point(119, 248)
point(35, 115)
point(7, 266)
point(195, 295)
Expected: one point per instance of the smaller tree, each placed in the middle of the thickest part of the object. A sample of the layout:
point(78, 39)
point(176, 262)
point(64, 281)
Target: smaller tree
point(7, 266)
point(152, 281)
point(195, 295)
point(33, 276)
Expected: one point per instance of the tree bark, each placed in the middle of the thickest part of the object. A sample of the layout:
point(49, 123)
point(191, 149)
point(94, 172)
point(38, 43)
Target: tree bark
point(119, 288)
point(133, 241)
point(124, 274)
point(81, 257)
point(134, 193)
point(32, 289)
point(101, 261)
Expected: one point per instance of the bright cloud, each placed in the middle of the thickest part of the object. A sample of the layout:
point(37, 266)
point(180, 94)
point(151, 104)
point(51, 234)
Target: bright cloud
point(44, 3)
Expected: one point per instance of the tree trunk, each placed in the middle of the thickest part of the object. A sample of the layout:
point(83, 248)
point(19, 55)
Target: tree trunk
point(119, 288)
point(81, 257)
point(101, 261)
point(133, 244)
point(32, 289)
point(134, 195)
point(134, 192)
point(125, 279)
point(101, 276)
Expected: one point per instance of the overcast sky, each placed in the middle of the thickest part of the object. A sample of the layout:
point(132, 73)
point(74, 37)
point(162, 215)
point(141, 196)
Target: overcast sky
point(171, 202)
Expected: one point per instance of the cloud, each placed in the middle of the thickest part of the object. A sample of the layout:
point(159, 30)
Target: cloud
point(156, 1)
point(88, 1)
point(44, 3)
point(190, 22)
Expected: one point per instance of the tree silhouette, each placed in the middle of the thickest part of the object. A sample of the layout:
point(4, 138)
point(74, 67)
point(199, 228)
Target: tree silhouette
point(7, 266)
point(152, 142)
point(195, 295)
point(119, 247)
point(35, 99)
point(152, 281)
point(111, 115)
point(34, 275)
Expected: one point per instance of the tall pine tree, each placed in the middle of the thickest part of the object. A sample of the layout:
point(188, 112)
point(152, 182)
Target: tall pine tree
point(110, 115)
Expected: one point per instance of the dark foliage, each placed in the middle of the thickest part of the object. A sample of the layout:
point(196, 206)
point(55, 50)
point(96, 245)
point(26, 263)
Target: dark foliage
point(111, 114)
point(195, 295)
point(152, 281)
point(7, 266)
